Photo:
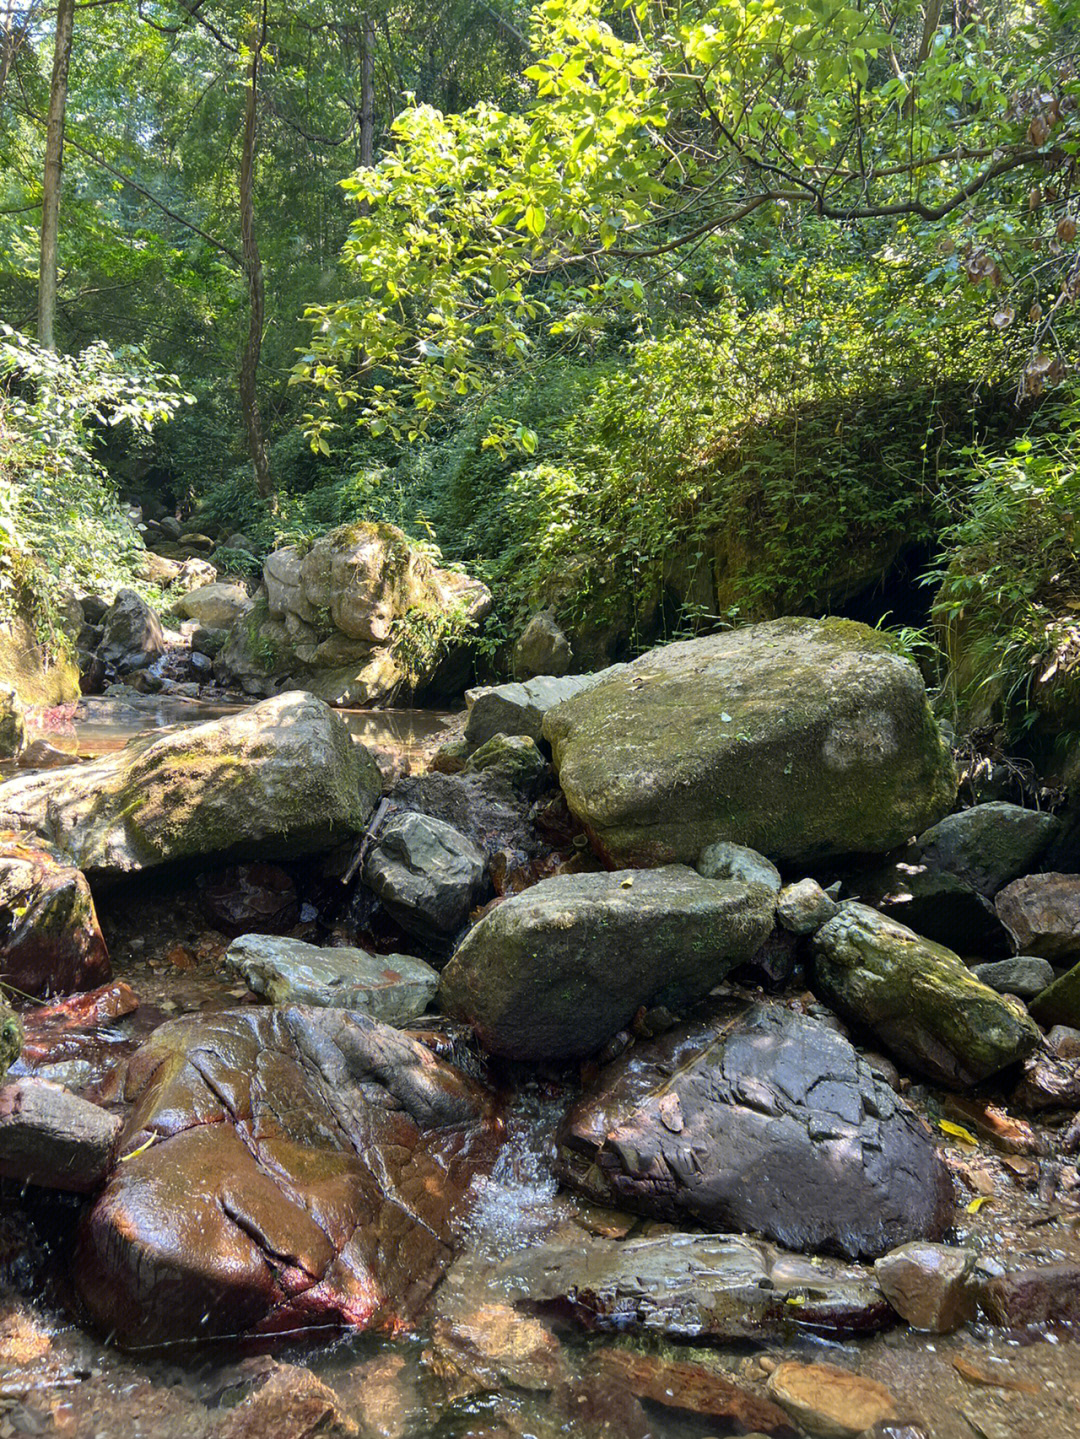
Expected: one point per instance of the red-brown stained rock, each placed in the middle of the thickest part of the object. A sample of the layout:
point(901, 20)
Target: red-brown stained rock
point(50, 940)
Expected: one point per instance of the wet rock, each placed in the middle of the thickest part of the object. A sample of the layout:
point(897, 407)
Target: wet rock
point(694, 1287)
point(1043, 913)
point(932, 1286)
point(830, 1401)
point(541, 648)
point(133, 635)
point(918, 998)
point(284, 777)
point(519, 709)
point(804, 907)
point(490, 1346)
point(55, 1139)
point(555, 971)
point(1048, 1083)
point(805, 739)
point(515, 757)
point(12, 724)
point(735, 861)
point(938, 906)
point(425, 872)
point(246, 897)
point(771, 1124)
point(394, 988)
point(1025, 975)
point(292, 1403)
point(50, 940)
point(214, 606)
point(691, 1388)
point(988, 845)
point(1033, 1295)
point(994, 1124)
point(306, 1170)
point(43, 755)
point(1059, 1001)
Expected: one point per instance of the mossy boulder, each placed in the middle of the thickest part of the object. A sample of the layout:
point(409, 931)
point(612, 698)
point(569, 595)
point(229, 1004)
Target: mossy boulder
point(804, 739)
point(50, 939)
point(38, 678)
point(283, 778)
point(554, 972)
point(918, 998)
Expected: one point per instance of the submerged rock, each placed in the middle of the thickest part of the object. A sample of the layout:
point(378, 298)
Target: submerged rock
point(296, 1168)
point(50, 939)
point(245, 897)
point(426, 873)
point(282, 778)
point(555, 971)
point(391, 987)
point(805, 739)
point(988, 845)
point(697, 1287)
point(829, 1401)
point(918, 998)
point(772, 1125)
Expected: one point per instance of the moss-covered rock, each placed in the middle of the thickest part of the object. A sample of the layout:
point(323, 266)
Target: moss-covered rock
point(803, 739)
point(50, 939)
point(37, 678)
point(918, 998)
point(282, 778)
point(11, 1036)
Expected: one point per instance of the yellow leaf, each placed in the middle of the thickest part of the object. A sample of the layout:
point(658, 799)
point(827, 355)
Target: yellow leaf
point(977, 1203)
point(957, 1131)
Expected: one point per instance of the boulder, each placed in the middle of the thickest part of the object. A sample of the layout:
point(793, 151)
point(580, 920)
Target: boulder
point(988, 845)
point(215, 606)
point(771, 1124)
point(133, 635)
point(938, 906)
point(804, 739)
point(285, 1169)
point(1025, 975)
point(697, 1287)
point(519, 709)
point(425, 872)
point(932, 1286)
point(50, 940)
point(515, 757)
point(554, 972)
point(283, 777)
point(1043, 913)
point(918, 998)
point(55, 1139)
point(1059, 1002)
point(94, 609)
point(482, 805)
point(39, 679)
point(541, 648)
point(1033, 1296)
point(208, 642)
point(12, 724)
point(734, 861)
point(393, 988)
point(804, 907)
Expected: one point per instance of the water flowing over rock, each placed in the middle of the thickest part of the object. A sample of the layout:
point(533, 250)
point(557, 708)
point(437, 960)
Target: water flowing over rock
point(282, 778)
point(771, 1124)
point(393, 988)
point(307, 1170)
point(803, 739)
point(50, 940)
point(554, 972)
point(918, 997)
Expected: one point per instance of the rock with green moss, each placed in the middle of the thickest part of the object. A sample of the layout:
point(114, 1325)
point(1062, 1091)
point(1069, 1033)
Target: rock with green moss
point(515, 757)
point(11, 1036)
point(50, 939)
point(554, 972)
point(804, 739)
point(918, 998)
point(12, 723)
point(283, 778)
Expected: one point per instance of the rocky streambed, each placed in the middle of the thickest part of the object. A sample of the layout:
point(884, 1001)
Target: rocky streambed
point(592, 1080)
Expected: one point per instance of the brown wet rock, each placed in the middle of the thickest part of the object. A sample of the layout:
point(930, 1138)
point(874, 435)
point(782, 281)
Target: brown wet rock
point(292, 1404)
point(932, 1286)
point(1048, 1083)
point(705, 1288)
point(284, 1169)
point(50, 940)
point(692, 1388)
point(770, 1123)
point(830, 1401)
point(1044, 1294)
point(490, 1346)
point(992, 1123)
point(250, 898)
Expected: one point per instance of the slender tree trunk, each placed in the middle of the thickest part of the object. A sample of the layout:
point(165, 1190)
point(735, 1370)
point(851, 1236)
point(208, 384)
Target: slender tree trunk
point(54, 166)
point(249, 364)
point(367, 91)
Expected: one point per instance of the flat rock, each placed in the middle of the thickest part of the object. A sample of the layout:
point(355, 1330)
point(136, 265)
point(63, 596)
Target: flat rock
point(695, 1287)
point(1043, 913)
point(830, 1401)
point(391, 987)
point(932, 1286)
point(918, 998)
point(988, 845)
point(425, 872)
point(1025, 975)
point(804, 739)
point(283, 1169)
point(283, 778)
point(771, 1124)
point(554, 972)
point(50, 939)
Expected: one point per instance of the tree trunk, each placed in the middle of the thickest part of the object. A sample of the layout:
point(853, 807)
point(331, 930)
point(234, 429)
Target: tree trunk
point(249, 364)
point(54, 166)
point(367, 91)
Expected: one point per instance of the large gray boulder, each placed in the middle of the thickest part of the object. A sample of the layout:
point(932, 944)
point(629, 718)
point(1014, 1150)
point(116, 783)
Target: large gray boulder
point(918, 998)
point(215, 606)
point(426, 873)
point(393, 988)
point(804, 739)
point(519, 708)
point(133, 635)
point(988, 845)
point(554, 972)
point(771, 1124)
point(282, 778)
